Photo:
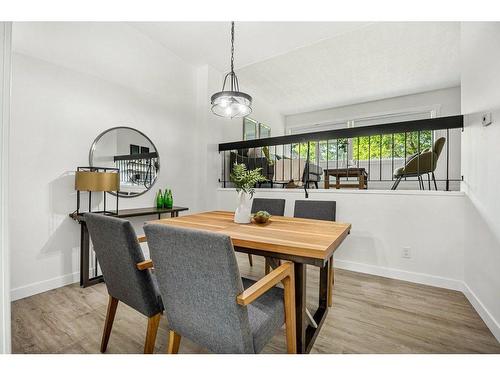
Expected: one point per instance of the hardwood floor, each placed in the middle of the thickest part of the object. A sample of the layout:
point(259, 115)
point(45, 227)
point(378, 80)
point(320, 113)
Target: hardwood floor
point(370, 314)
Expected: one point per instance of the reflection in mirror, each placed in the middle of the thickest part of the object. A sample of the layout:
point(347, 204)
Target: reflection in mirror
point(132, 153)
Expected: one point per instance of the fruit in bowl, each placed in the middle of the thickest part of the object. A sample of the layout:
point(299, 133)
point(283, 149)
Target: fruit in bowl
point(261, 217)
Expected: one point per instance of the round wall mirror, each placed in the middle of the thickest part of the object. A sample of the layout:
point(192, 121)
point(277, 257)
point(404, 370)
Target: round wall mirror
point(130, 151)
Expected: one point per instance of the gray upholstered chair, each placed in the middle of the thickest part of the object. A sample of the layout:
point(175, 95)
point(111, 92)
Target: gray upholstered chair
point(318, 210)
point(275, 207)
point(207, 301)
point(126, 273)
point(419, 164)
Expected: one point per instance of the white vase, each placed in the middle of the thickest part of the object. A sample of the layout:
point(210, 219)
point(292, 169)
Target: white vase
point(242, 213)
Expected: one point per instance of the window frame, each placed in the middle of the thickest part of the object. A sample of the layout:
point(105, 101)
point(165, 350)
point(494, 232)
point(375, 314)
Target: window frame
point(258, 126)
point(350, 122)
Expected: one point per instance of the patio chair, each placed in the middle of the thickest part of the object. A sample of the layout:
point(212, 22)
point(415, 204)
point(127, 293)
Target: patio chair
point(420, 164)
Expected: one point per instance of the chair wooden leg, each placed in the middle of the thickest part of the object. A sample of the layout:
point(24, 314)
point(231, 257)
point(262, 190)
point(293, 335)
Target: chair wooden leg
point(271, 264)
point(331, 281)
point(434, 179)
point(290, 327)
point(250, 260)
point(110, 317)
point(153, 323)
point(174, 341)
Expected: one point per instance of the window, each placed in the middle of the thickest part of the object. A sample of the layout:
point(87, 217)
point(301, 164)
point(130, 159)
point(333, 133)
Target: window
point(318, 150)
point(252, 129)
point(366, 148)
point(134, 149)
point(264, 131)
point(384, 146)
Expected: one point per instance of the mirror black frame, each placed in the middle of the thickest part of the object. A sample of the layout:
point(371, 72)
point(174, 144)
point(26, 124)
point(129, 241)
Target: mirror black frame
point(93, 147)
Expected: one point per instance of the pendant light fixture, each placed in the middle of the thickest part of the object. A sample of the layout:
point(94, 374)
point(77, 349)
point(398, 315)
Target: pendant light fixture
point(231, 103)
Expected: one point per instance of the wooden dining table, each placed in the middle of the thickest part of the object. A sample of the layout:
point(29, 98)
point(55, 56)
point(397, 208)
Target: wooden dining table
point(301, 241)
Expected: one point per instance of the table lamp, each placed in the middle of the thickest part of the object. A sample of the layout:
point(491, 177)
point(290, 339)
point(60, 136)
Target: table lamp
point(97, 179)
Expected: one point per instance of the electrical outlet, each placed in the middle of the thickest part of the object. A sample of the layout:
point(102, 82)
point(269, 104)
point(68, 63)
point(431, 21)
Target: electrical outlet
point(406, 253)
point(486, 119)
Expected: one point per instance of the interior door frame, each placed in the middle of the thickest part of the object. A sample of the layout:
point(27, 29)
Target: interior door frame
point(5, 94)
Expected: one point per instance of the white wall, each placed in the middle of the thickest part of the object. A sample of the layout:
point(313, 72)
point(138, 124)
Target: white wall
point(480, 165)
point(56, 114)
point(378, 235)
point(446, 101)
point(5, 64)
point(71, 81)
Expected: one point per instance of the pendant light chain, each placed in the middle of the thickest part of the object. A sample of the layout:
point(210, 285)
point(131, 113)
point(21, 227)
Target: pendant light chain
point(232, 103)
point(232, 47)
point(234, 80)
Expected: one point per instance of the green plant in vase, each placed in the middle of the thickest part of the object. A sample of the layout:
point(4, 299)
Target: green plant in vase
point(244, 181)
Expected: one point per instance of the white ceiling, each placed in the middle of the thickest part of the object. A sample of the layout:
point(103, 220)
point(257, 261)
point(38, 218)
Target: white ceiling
point(209, 43)
point(112, 51)
point(294, 66)
point(304, 66)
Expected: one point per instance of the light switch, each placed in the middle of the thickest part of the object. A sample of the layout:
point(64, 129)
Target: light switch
point(486, 119)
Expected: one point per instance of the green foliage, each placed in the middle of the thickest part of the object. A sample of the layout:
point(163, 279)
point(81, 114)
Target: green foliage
point(377, 146)
point(365, 148)
point(245, 180)
point(265, 151)
point(300, 150)
point(262, 214)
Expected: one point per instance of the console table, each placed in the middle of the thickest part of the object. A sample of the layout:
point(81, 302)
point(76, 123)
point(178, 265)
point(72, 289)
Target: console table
point(85, 279)
point(338, 173)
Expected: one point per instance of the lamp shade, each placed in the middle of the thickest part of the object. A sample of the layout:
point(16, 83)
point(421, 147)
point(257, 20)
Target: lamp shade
point(97, 181)
point(231, 104)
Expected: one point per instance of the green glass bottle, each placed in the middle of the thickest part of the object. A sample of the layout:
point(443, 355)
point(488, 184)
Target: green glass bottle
point(165, 198)
point(170, 199)
point(159, 199)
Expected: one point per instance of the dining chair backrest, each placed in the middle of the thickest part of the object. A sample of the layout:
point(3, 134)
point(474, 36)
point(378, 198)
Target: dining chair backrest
point(319, 210)
point(118, 253)
point(437, 147)
point(273, 206)
point(199, 280)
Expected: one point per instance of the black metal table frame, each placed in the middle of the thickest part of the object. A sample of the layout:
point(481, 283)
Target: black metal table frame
point(85, 279)
point(306, 334)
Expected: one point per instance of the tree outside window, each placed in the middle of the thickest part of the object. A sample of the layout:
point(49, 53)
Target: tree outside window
point(365, 148)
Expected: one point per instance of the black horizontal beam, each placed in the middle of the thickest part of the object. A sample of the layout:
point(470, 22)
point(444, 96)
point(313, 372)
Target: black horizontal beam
point(449, 122)
point(146, 155)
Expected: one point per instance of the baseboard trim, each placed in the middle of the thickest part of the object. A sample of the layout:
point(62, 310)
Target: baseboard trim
point(394, 273)
point(483, 312)
point(43, 286)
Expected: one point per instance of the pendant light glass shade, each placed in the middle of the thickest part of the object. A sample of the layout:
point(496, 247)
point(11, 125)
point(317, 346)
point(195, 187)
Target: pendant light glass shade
point(231, 103)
